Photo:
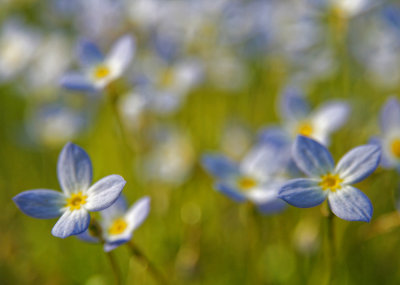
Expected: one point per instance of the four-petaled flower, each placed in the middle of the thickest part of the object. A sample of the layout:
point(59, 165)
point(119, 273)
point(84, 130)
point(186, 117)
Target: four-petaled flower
point(389, 141)
point(118, 222)
point(98, 71)
point(78, 198)
point(328, 181)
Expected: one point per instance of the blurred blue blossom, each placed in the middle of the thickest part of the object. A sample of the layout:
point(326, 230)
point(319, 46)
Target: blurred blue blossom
point(389, 140)
point(74, 170)
point(98, 71)
point(328, 181)
point(118, 222)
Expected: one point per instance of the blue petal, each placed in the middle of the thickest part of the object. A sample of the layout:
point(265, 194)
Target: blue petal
point(231, 192)
point(117, 209)
point(104, 192)
point(113, 245)
point(302, 193)
point(293, 105)
point(312, 157)
point(386, 160)
point(390, 115)
point(275, 136)
point(77, 82)
point(350, 204)
point(40, 203)
point(89, 54)
point(220, 166)
point(87, 237)
point(271, 207)
point(358, 163)
point(138, 213)
point(71, 223)
point(74, 169)
point(331, 116)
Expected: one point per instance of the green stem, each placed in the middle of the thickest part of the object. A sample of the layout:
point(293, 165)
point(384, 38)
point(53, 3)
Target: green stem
point(331, 246)
point(145, 261)
point(115, 268)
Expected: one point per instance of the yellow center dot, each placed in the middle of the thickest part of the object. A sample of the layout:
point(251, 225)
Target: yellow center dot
point(331, 182)
point(76, 200)
point(117, 227)
point(395, 147)
point(305, 129)
point(167, 78)
point(246, 183)
point(101, 72)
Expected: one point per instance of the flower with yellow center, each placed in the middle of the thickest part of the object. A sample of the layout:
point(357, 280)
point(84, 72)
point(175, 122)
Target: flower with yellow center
point(325, 179)
point(246, 183)
point(101, 71)
point(117, 227)
point(75, 201)
point(305, 129)
point(395, 147)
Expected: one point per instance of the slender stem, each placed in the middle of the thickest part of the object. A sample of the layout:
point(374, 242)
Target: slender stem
point(331, 246)
point(145, 261)
point(114, 267)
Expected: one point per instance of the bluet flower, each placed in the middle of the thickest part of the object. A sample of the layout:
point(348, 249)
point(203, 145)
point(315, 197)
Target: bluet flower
point(118, 222)
point(78, 197)
point(98, 70)
point(389, 140)
point(327, 181)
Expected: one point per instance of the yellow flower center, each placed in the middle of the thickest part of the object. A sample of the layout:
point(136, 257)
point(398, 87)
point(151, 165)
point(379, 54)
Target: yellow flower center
point(117, 227)
point(331, 182)
point(305, 129)
point(395, 147)
point(101, 71)
point(246, 183)
point(76, 200)
point(167, 78)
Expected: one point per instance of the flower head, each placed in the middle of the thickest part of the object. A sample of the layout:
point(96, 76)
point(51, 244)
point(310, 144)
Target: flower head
point(118, 222)
point(389, 141)
point(98, 70)
point(329, 181)
point(78, 198)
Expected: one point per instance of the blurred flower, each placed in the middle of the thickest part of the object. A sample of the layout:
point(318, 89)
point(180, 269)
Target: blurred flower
point(389, 141)
point(257, 178)
point(18, 44)
point(98, 71)
point(328, 181)
point(78, 198)
point(118, 222)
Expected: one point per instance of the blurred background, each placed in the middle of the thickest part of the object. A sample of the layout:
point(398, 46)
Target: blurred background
point(206, 76)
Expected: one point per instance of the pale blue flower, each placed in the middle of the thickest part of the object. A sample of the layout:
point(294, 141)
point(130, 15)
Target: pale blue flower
point(97, 70)
point(389, 140)
point(327, 181)
point(78, 198)
point(118, 222)
point(256, 178)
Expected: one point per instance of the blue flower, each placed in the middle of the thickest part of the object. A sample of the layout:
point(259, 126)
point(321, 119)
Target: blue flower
point(255, 179)
point(118, 222)
point(98, 70)
point(328, 181)
point(78, 198)
point(389, 141)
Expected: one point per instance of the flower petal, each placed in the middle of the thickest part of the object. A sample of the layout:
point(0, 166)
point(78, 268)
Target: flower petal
point(358, 163)
point(117, 209)
point(77, 82)
point(350, 204)
point(220, 166)
point(312, 157)
point(390, 115)
point(138, 213)
point(74, 169)
point(331, 116)
point(87, 237)
point(231, 192)
point(121, 54)
point(302, 193)
point(113, 245)
point(40, 203)
point(71, 223)
point(104, 192)
point(293, 105)
point(89, 54)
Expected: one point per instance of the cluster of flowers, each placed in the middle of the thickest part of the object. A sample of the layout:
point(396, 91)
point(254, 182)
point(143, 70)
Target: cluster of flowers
point(79, 197)
point(270, 174)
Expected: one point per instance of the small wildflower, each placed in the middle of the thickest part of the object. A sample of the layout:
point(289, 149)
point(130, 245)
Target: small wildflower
point(328, 181)
point(99, 71)
point(78, 198)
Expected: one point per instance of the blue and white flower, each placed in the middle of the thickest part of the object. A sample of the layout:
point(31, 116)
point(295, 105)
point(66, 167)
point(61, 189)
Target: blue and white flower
point(118, 222)
point(257, 178)
point(327, 181)
point(78, 198)
point(389, 139)
point(99, 70)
